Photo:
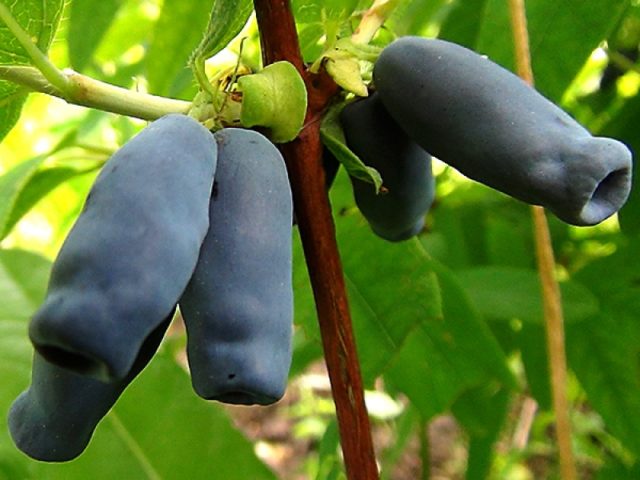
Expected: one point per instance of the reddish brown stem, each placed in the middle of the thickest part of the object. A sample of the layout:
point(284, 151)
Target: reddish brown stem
point(303, 158)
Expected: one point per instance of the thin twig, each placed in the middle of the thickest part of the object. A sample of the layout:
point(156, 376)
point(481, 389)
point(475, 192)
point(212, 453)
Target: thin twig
point(554, 321)
point(92, 93)
point(303, 157)
point(525, 422)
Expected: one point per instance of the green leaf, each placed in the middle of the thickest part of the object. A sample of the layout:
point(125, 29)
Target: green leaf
point(344, 68)
point(482, 411)
point(333, 138)
point(88, 22)
point(23, 282)
point(562, 36)
point(619, 471)
point(36, 187)
point(175, 35)
point(324, 12)
point(329, 464)
point(275, 98)
point(604, 351)
point(448, 356)
point(413, 323)
point(614, 280)
point(533, 350)
point(392, 292)
point(605, 356)
point(513, 293)
point(414, 17)
point(39, 19)
point(461, 25)
point(11, 185)
point(309, 37)
point(227, 19)
point(12, 99)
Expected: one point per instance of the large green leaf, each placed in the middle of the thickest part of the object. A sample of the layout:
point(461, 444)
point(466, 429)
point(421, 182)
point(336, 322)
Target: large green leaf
point(40, 19)
point(478, 226)
point(411, 318)
point(432, 374)
point(88, 22)
point(175, 35)
point(562, 36)
point(482, 411)
point(446, 357)
point(513, 293)
point(604, 354)
point(604, 351)
point(392, 292)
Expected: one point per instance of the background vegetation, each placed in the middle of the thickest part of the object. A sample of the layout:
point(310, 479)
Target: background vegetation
point(447, 323)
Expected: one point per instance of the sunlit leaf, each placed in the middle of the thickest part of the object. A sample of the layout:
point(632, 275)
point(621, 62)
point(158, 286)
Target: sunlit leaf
point(175, 35)
point(35, 188)
point(11, 185)
point(88, 22)
point(225, 22)
point(40, 19)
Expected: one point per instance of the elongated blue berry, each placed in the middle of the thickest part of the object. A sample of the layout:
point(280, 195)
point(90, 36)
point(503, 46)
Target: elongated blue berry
point(405, 168)
point(494, 128)
point(54, 419)
point(238, 307)
point(131, 252)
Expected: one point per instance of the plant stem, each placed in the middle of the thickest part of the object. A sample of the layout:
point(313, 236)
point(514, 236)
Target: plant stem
point(303, 158)
point(373, 19)
point(39, 59)
point(554, 321)
point(88, 92)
